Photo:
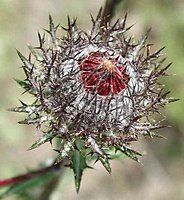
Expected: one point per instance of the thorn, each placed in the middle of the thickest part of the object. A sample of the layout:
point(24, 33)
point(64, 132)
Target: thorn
point(124, 21)
point(99, 14)
point(92, 19)
point(22, 103)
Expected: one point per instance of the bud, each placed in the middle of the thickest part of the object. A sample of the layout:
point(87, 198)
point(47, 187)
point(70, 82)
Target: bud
point(96, 91)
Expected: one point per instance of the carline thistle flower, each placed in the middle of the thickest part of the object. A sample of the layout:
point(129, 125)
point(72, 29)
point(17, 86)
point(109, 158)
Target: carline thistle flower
point(96, 91)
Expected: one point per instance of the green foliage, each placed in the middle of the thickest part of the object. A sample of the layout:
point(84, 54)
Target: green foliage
point(105, 163)
point(27, 64)
point(78, 165)
point(24, 84)
point(35, 53)
point(25, 188)
point(47, 137)
point(129, 152)
point(24, 108)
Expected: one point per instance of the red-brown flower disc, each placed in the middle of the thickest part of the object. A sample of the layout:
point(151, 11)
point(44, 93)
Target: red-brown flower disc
point(103, 74)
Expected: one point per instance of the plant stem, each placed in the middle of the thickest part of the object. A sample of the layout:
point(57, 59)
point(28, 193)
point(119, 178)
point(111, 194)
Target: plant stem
point(30, 175)
point(52, 184)
point(109, 10)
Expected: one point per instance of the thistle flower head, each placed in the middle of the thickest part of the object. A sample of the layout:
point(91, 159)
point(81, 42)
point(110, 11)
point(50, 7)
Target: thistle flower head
point(96, 91)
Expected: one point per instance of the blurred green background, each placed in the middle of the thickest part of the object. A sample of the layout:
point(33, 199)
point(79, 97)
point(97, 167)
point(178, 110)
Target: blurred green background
point(162, 174)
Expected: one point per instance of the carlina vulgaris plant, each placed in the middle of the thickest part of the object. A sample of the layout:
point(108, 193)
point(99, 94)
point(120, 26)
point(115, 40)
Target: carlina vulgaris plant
point(96, 91)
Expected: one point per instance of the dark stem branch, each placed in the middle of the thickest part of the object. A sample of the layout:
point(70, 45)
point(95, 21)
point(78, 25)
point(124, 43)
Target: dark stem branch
point(109, 10)
point(51, 186)
point(30, 175)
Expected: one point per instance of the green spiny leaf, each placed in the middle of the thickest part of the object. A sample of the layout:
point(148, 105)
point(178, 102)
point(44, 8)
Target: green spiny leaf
point(152, 135)
point(79, 144)
point(36, 53)
point(25, 109)
point(52, 30)
point(64, 152)
point(129, 152)
point(51, 24)
point(24, 84)
point(41, 39)
point(105, 163)
point(25, 61)
point(19, 109)
point(37, 120)
point(47, 137)
point(171, 100)
point(78, 165)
